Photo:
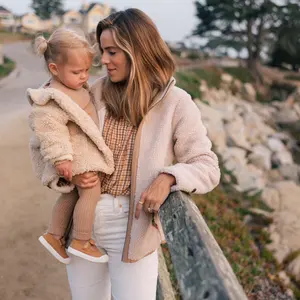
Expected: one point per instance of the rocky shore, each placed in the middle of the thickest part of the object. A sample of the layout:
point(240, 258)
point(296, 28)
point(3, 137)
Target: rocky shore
point(252, 140)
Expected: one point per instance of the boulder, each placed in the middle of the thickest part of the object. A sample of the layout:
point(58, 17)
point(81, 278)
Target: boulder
point(260, 157)
point(248, 92)
point(236, 134)
point(290, 172)
point(294, 267)
point(212, 120)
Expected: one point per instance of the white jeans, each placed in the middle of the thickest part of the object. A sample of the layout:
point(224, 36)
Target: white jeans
point(113, 280)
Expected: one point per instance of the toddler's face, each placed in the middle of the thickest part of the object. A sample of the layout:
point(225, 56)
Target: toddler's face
point(74, 73)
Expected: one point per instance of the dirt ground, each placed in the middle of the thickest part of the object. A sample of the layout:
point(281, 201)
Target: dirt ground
point(27, 271)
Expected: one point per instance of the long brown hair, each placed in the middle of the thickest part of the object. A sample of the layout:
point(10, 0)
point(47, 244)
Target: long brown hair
point(150, 60)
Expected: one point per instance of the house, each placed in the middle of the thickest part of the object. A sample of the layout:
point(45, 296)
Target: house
point(92, 14)
point(7, 20)
point(30, 23)
point(72, 17)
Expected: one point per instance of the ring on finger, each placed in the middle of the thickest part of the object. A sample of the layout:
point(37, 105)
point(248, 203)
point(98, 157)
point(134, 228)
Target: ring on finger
point(150, 210)
point(141, 202)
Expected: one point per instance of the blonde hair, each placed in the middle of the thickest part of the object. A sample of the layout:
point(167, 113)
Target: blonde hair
point(150, 60)
point(62, 39)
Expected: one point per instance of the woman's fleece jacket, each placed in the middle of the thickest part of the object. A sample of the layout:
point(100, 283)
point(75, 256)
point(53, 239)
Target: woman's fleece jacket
point(171, 131)
point(64, 131)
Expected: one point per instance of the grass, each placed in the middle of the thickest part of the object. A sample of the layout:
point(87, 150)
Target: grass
point(191, 80)
point(240, 73)
point(243, 245)
point(10, 37)
point(292, 77)
point(7, 67)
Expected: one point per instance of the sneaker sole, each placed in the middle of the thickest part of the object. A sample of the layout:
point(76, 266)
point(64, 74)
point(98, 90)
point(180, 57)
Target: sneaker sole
point(43, 241)
point(102, 259)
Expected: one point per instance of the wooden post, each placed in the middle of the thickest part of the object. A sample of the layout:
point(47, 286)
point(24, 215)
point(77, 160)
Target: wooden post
point(201, 268)
point(1, 55)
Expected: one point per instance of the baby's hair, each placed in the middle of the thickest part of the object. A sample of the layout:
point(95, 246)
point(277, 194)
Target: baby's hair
point(61, 40)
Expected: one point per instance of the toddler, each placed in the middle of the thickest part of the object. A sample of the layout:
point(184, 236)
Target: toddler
point(66, 141)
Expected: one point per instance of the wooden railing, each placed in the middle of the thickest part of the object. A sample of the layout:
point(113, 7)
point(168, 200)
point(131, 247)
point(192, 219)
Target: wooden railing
point(202, 271)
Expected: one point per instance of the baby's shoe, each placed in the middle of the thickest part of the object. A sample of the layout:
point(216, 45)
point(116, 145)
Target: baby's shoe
point(55, 247)
point(88, 250)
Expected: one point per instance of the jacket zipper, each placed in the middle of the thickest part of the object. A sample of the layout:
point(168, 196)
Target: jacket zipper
point(134, 166)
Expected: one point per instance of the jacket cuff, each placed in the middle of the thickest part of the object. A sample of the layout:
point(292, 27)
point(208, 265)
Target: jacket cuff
point(56, 160)
point(171, 171)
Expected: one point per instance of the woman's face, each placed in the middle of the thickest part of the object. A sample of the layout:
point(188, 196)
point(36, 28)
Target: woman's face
point(113, 58)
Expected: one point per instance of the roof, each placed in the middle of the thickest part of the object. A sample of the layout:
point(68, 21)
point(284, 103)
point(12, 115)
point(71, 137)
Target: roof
point(90, 7)
point(3, 9)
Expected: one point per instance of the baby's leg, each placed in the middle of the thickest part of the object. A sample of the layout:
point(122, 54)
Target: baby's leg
point(62, 213)
point(84, 212)
point(83, 220)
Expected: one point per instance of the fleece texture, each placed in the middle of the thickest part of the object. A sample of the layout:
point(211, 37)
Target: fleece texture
point(171, 139)
point(64, 131)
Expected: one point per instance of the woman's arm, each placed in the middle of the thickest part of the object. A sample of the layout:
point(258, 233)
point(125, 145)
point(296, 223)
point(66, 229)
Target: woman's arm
point(197, 169)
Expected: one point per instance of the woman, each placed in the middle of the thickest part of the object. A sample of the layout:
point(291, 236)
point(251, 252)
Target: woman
point(148, 123)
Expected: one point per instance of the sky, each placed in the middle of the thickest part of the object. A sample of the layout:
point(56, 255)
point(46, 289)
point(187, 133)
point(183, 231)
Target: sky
point(175, 19)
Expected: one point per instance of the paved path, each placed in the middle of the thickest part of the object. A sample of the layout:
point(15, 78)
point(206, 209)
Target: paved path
point(26, 270)
point(31, 72)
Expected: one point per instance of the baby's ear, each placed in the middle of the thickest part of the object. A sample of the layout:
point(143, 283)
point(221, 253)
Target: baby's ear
point(53, 69)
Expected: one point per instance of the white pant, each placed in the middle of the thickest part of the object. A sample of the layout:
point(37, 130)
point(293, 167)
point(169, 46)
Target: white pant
point(113, 280)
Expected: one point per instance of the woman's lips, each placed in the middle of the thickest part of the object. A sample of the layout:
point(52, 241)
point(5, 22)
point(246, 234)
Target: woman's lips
point(110, 71)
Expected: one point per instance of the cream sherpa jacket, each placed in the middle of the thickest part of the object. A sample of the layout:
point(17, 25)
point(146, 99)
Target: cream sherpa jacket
point(171, 131)
point(64, 131)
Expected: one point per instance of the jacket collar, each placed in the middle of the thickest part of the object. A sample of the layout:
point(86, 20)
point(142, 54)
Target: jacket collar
point(161, 95)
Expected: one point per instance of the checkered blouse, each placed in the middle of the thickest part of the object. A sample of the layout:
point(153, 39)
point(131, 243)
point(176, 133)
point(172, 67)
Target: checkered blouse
point(119, 136)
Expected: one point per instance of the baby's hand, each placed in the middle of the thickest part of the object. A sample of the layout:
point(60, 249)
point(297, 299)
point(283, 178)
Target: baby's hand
point(64, 169)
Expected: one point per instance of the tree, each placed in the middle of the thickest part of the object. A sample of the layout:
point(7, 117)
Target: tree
point(287, 46)
point(45, 8)
point(244, 24)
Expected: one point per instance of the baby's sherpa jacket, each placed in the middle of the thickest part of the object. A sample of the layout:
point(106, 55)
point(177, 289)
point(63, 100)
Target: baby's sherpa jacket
point(64, 131)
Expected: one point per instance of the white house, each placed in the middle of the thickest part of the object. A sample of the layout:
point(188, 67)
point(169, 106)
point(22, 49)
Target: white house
point(7, 20)
point(92, 14)
point(30, 22)
point(72, 17)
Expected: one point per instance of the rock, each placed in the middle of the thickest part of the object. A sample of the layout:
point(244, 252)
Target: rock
point(212, 119)
point(284, 278)
point(236, 134)
point(282, 158)
point(234, 158)
point(285, 229)
point(248, 92)
point(274, 175)
point(226, 78)
point(249, 178)
point(271, 197)
point(275, 145)
point(260, 157)
point(286, 115)
point(294, 267)
point(290, 172)
point(203, 86)
point(256, 130)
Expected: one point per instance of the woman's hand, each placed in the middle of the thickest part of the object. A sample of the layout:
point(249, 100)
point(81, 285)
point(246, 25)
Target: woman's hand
point(86, 180)
point(156, 194)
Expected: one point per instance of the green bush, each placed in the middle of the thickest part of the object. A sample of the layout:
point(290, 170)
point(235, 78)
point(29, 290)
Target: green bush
point(292, 77)
point(7, 67)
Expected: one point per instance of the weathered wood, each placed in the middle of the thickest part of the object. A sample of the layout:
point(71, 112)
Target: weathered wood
point(164, 285)
point(201, 268)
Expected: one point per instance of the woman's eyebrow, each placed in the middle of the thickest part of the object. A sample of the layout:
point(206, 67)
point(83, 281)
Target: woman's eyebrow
point(109, 47)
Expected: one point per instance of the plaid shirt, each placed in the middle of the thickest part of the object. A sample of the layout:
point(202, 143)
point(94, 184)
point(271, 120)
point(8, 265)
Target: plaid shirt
point(119, 136)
